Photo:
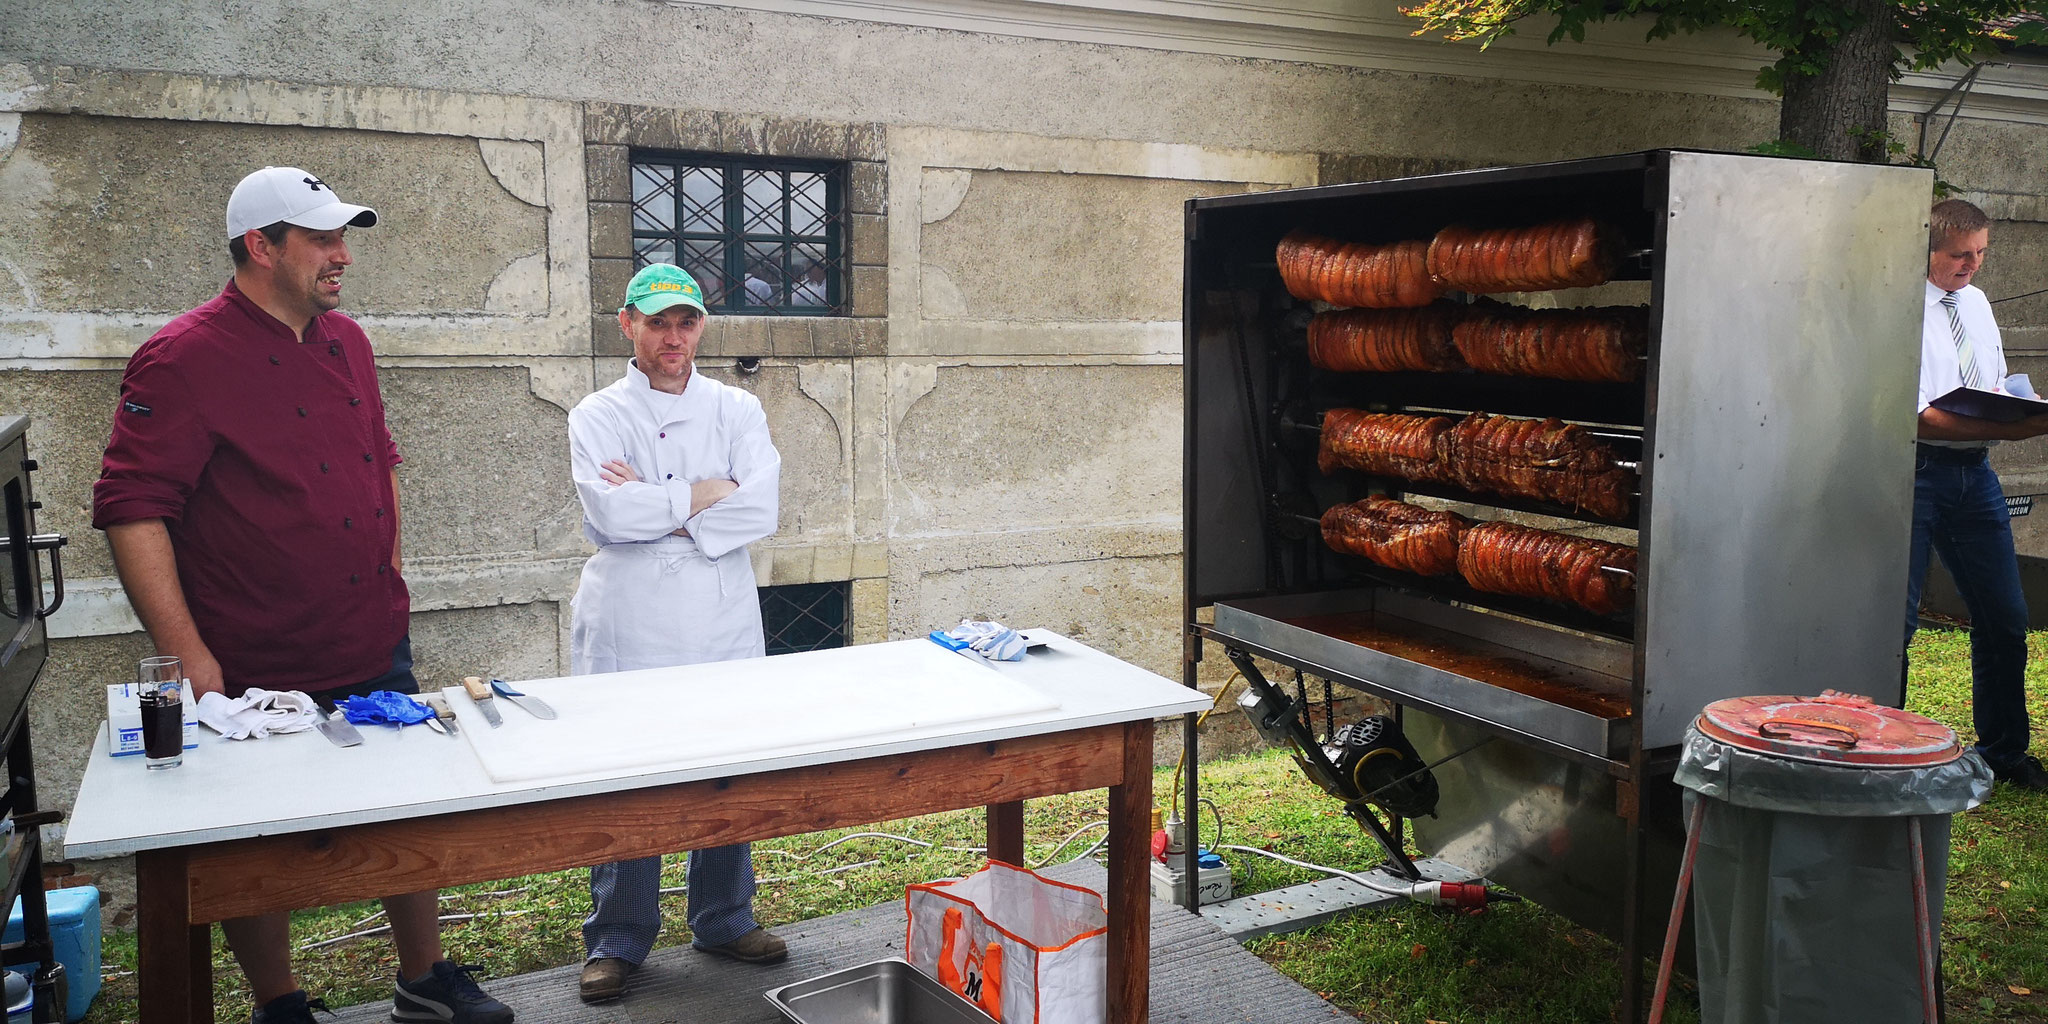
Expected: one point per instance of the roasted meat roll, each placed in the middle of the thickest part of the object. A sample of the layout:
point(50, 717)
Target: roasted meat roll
point(1576, 253)
point(1385, 340)
point(1547, 460)
point(1596, 343)
point(1387, 443)
point(1396, 534)
point(1503, 558)
point(1356, 273)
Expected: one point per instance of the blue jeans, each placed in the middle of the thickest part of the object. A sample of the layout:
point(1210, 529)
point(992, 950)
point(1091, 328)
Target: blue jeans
point(398, 680)
point(1959, 512)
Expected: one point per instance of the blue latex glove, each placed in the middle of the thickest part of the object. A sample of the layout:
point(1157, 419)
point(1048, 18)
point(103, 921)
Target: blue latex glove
point(385, 706)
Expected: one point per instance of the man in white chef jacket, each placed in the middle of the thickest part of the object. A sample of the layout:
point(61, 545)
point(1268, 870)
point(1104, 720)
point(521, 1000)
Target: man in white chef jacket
point(677, 476)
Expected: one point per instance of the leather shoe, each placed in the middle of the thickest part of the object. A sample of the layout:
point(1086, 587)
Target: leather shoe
point(755, 947)
point(2028, 774)
point(603, 979)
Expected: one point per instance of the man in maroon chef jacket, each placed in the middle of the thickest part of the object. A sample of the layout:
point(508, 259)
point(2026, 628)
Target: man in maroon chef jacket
point(250, 497)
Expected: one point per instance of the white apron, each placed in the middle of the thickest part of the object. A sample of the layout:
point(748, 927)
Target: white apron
point(655, 605)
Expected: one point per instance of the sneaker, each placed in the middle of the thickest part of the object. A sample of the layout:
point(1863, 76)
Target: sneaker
point(447, 993)
point(603, 979)
point(2028, 774)
point(290, 1008)
point(755, 947)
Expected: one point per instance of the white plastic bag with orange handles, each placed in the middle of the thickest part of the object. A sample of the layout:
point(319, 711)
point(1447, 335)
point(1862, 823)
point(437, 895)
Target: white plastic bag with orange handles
point(1026, 949)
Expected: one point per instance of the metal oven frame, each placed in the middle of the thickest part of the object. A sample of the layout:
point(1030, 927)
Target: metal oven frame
point(23, 650)
point(1775, 431)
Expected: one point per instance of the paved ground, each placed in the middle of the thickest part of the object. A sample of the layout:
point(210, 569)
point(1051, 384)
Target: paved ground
point(1199, 976)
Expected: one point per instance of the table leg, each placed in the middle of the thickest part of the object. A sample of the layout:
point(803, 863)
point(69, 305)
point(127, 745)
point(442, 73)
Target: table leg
point(1006, 832)
point(1129, 900)
point(174, 959)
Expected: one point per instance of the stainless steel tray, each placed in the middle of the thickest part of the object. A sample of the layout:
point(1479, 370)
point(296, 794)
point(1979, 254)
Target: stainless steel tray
point(1455, 639)
point(883, 992)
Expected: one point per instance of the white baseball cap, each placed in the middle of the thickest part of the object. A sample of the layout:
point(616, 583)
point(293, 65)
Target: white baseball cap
point(293, 196)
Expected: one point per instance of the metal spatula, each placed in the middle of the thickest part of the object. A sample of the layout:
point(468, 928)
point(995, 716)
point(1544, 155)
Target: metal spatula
point(336, 727)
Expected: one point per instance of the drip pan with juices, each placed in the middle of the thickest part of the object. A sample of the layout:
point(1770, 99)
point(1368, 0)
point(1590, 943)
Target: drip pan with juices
point(884, 992)
point(1567, 687)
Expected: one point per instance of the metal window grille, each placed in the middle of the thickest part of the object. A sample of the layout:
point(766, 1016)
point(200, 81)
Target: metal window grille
point(761, 236)
point(805, 616)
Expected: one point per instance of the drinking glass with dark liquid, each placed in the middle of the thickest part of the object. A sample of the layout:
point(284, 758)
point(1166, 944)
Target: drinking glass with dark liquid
point(163, 712)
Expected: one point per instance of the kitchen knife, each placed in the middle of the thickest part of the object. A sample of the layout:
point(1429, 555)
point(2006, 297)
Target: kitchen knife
point(336, 727)
point(444, 718)
point(536, 706)
point(480, 694)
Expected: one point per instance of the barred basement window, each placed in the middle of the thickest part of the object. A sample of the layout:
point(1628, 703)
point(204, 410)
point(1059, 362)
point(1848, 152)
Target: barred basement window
point(805, 616)
point(760, 235)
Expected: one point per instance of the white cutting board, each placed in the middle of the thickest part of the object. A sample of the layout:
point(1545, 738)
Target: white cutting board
point(670, 718)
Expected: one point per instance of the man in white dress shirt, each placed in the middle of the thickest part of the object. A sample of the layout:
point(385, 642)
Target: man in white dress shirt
point(1958, 506)
point(677, 476)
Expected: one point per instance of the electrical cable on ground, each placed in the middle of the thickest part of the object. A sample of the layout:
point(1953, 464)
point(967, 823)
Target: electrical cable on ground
point(1181, 762)
point(384, 929)
point(1376, 886)
point(680, 889)
point(1428, 891)
point(1071, 836)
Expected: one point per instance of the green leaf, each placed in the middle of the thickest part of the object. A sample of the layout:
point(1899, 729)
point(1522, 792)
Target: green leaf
point(1784, 148)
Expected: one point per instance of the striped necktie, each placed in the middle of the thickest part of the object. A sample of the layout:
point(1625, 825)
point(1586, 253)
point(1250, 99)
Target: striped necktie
point(1966, 356)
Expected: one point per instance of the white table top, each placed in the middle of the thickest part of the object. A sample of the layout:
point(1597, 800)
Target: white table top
point(234, 790)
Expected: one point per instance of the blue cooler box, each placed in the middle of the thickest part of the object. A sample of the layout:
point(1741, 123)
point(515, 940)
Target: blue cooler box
point(75, 932)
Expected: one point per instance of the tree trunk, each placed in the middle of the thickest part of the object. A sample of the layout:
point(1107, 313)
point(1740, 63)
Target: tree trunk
point(1839, 113)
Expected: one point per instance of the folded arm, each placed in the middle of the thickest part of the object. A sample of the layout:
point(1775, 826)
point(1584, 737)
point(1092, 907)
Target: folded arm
point(747, 512)
point(617, 502)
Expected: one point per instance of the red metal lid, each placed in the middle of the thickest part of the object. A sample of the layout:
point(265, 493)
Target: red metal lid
point(1833, 728)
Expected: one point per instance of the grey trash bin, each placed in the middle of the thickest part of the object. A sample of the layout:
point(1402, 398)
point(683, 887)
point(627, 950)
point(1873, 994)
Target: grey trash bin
point(1803, 818)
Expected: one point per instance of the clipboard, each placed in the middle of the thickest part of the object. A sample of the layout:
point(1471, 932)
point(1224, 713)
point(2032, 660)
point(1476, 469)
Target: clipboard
point(1989, 405)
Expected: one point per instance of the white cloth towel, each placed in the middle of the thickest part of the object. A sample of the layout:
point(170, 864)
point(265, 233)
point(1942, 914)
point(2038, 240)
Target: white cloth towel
point(258, 713)
point(991, 640)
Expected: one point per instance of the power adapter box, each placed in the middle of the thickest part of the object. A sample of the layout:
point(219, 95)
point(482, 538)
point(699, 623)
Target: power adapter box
point(124, 720)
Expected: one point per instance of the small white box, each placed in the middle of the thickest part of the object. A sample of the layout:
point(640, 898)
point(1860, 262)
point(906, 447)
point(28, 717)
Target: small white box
point(1214, 882)
point(124, 720)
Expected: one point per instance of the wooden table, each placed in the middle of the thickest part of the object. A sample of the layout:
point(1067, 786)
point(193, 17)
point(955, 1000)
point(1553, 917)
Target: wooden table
point(292, 822)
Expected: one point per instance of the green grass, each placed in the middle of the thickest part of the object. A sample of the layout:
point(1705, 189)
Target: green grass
point(1995, 954)
point(1405, 965)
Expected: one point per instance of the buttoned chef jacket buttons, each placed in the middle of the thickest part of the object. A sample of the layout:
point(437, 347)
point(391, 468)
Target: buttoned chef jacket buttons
point(275, 361)
point(380, 513)
point(355, 401)
point(334, 350)
point(354, 578)
point(347, 523)
point(323, 467)
point(366, 456)
point(302, 411)
point(381, 568)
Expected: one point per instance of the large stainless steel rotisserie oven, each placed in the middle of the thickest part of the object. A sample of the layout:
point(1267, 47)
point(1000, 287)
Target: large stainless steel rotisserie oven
point(1762, 455)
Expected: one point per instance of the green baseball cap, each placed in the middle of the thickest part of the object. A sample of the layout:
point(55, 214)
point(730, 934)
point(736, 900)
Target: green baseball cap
point(660, 285)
